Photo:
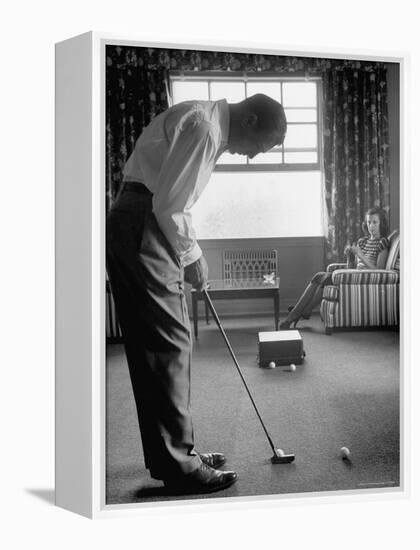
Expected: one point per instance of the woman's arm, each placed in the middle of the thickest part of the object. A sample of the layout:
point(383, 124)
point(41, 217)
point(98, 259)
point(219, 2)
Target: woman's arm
point(381, 259)
point(362, 257)
point(351, 260)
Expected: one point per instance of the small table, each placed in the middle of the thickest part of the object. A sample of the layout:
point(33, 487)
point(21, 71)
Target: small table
point(234, 290)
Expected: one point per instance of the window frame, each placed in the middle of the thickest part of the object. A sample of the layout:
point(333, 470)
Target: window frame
point(229, 76)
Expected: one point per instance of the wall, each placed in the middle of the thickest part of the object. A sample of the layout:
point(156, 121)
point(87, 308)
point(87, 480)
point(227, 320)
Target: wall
point(394, 140)
point(298, 260)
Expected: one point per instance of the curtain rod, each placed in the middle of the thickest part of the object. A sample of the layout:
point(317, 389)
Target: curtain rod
point(236, 75)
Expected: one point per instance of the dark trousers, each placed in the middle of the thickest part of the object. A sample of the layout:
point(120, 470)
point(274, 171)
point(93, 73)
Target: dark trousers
point(147, 282)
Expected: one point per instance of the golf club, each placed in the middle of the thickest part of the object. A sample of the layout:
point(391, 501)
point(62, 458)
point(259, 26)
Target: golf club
point(279, 457)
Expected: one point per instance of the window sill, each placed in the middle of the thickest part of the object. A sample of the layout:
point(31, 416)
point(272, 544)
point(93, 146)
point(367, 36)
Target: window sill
point(267, 168)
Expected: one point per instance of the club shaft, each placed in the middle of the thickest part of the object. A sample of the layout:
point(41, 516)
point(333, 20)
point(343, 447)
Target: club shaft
point(238, 368)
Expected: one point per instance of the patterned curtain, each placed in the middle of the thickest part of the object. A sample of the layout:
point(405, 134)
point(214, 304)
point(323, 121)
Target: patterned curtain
point(356, 163)
point(135, 93)
point(355, 123)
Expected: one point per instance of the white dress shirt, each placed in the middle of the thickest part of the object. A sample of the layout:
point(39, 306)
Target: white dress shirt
point(174, 158)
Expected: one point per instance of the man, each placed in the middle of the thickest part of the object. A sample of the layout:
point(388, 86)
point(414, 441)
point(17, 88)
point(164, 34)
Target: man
point(152, 250)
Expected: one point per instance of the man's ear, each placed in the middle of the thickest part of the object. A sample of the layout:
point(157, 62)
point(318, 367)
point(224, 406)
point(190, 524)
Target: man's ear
point(249, 121)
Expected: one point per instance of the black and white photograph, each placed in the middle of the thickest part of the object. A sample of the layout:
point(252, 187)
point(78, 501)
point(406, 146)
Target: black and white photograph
point(252, 274)
point(209, 299)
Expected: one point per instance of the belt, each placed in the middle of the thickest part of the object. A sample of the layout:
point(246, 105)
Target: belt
point(136, 187)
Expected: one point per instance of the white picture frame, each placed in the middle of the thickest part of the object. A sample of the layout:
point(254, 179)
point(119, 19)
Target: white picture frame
point(80, 274)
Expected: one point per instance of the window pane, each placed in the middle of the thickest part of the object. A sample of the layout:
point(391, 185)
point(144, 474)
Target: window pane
point(267, 158)
point(187, 90)
point(246, 205)
point(298, 97)
point(227, 158)
point(231, 91)
point(299, 94)
point(301, 158)
point(272, 89)
point(300, 115)
point(301, 136)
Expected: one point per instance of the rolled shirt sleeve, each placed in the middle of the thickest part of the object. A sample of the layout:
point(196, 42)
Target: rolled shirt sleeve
point(184, 173)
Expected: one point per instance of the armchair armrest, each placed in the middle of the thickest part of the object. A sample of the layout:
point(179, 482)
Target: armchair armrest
point(333, 267)
point(365, 277)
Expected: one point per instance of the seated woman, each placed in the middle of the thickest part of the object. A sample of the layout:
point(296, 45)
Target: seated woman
point(370, 252)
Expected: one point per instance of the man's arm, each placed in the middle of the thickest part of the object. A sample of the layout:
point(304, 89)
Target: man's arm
point(184, 173)
point(197, 273)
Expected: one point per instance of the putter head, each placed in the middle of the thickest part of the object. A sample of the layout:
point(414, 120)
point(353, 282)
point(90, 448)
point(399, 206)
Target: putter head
point(280, 458)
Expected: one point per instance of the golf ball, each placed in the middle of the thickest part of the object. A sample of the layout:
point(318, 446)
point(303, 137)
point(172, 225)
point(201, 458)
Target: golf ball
point(279, 452)
point(345, 453)
point(290, 368)
point(271, 365)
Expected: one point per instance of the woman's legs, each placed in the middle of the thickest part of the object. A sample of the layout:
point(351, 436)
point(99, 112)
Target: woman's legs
point(312, 296)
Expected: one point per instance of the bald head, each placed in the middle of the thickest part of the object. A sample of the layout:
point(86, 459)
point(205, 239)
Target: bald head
point(257, 124)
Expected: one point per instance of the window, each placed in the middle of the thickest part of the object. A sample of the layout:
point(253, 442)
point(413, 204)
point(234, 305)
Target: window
point(300, 99)
point(275, 194)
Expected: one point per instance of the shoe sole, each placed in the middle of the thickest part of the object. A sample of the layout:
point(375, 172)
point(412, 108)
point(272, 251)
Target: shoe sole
point(199, 491)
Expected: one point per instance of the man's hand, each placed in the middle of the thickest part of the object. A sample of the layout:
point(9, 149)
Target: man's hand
point(196, 274)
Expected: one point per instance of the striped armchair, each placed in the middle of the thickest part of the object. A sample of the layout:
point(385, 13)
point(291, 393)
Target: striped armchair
point(363, 298)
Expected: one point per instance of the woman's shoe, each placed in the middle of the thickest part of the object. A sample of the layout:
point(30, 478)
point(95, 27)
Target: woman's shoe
point(291, 308)
point(287, 325)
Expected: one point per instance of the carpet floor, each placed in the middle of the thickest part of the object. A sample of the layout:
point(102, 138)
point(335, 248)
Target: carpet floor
point(345, 394)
